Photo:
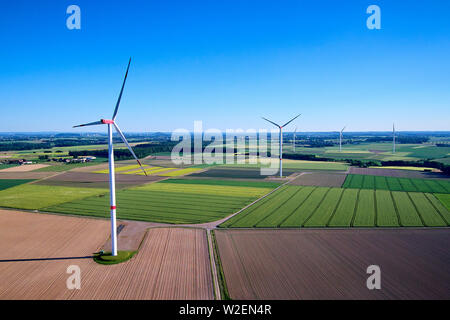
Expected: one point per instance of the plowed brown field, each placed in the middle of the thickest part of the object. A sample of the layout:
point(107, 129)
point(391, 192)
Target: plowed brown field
point(332, 264)
point(172, 263)
point(320, 179)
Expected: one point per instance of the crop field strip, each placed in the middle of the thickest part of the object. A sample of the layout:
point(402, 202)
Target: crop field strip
point(358, 181)
point(33, 196)
point(121, 169)
point(296, 206)
point(9, 183)
point(171, 203)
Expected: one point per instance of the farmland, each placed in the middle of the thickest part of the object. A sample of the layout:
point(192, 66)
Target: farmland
point(172, 263)
point(397, 184)
point(168, 202)
point(32, 196)
point(331, 264)
point(296, 206)
point(445, 199)
point(294, 164)
point(320, 179)
point(8, 183)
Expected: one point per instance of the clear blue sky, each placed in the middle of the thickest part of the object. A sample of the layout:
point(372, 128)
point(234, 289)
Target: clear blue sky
point(227, 63)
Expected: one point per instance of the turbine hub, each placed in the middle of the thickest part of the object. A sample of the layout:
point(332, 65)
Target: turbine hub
point(104, 121)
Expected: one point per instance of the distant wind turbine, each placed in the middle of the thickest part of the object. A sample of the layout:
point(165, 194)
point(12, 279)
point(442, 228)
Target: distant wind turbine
point(340, 139)
point(393, 138)
point(112, 183)
point(281, 139)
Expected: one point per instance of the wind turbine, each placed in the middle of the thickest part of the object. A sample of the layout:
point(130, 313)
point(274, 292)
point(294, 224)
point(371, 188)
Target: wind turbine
point(112, 183)
point(340, 139)
point(293, 143)
point(281, 139)
point(393, 138)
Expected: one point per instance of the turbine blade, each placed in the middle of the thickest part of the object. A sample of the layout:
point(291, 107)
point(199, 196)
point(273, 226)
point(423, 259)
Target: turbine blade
point(271, 122)
point(343, 129)
point(129, 147)
point(88, 124)
point(121, 91)
point(284, 125)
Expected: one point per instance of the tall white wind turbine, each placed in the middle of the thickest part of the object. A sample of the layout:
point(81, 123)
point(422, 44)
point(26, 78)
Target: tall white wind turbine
point(393, 138)
point(340, 139)
point(112, 183)
point(281, 139)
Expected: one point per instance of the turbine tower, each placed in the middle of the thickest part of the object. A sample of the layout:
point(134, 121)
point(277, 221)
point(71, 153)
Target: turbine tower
point(112, 183)
point(340, 139)
point(281, 139)
point(293, 142)
point(393, 138)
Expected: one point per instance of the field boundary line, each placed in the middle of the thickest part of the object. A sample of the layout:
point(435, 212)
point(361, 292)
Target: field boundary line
point(315, 209)
point(335, 208)
point(212, 261)
point(293, 211)
point(432, 204)
point(270, 213)
point(376, 208)
point(251, 204)
point(355, 209)
point(442, 185)
point(417, 210)
point(396, 209)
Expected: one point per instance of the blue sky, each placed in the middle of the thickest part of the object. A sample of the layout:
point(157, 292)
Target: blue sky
point(226, 63)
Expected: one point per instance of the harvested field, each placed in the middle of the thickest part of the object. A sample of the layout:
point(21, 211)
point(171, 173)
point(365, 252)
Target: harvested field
point(24, 168)
point(26, 175)
point(332, 264)
point(93, 180)
point(320, 179)
point(172, 263)
point(309, 206)
point(396, 173)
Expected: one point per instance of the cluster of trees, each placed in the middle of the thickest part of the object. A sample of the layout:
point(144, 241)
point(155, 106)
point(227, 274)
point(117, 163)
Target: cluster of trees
point(47, 144)
point(141, 151)
point(400, 139)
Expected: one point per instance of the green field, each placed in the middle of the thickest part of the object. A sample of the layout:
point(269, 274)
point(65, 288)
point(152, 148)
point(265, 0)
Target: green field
point(8, 183)
point(168, 202)
point(445, 200)
point(32, 196)
point(296, 206)
point(297, 165)
point(358, 181)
